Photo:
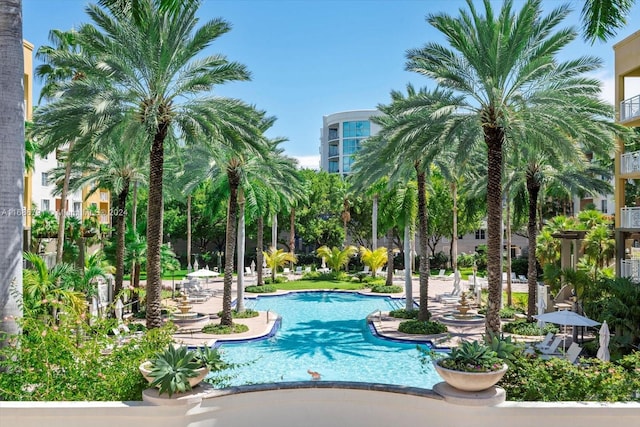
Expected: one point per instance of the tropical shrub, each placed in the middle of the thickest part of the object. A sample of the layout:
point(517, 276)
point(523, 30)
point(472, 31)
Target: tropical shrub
point(403, 313)
point(276, 258)
point(72, 361)
point(420, 327)
point(508, 312)
point(383, 289)
point(374, 259)
point(218, 329)
point(557, 379)
point(247, 314)
point(522, 327)
point(264, 289)
point(472, 356)
point(336, 259)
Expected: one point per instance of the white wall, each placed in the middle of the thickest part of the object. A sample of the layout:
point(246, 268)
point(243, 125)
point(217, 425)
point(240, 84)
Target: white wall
point(313, 405)
point(40, 192)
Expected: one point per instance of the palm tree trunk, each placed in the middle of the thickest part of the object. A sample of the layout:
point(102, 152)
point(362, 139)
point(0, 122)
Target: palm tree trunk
point(494, 137)
point(274, 231)
point(292, 233)
point(533, 189)
point(454, 237)
point(389, 281)
point(230, 247)
point(408, 283)
point(508, 233)
point(374, 226)
point(12, 166)
point(189, 268)
point(154, 229)
point(259, 246)
point(134, 214)
point(63, 209)
point(121, 229)
point(241, 238)
point(423, 217)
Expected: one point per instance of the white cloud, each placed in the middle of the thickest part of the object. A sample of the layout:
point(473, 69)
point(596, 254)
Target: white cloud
point(308, 162)
point(632, 87)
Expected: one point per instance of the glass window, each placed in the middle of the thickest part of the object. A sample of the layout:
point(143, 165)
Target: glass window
point(362, 128)
point(333, 150)
point(347, 161)
point(333, 134)
point(603, 206)
point(349, 146)
point(346, 130)
point(44, 179)
point(480, 234)
point(333, 166)
point(44, 205)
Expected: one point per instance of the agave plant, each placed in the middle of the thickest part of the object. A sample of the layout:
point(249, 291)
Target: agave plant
point(472, 357)
point(173, 368)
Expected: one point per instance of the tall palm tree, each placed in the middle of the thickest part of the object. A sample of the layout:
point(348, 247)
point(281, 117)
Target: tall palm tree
point(152, 67)
point(504, 67)
point(116, 164)
point(602, 18)
point(11, 165)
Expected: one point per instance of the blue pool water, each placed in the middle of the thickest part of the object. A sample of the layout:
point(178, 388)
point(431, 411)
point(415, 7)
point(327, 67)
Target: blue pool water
point(327, 332)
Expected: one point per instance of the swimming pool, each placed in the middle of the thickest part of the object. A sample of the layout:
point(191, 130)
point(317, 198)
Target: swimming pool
point(326, 332)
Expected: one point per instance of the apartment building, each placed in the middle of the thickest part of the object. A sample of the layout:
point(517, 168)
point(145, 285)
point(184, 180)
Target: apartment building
point(627, 164)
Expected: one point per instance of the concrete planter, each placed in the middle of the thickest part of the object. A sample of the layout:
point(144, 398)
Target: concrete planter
point(145, 370)
point(470, 381)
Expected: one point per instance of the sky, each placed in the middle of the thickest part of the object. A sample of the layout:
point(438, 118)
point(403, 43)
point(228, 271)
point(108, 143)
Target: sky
point(311, 58)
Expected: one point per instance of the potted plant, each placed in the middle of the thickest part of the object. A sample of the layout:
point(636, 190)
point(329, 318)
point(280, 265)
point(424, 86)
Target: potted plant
point(472, 366)
point(177, 370)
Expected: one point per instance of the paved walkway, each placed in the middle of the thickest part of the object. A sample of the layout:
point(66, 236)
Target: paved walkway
point(385, 325)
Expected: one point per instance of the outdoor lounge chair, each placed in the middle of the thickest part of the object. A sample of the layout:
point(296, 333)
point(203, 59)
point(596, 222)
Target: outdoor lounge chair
point(523, 279)
point(573, 352)
point(553, 347)
point(440, 274)
point(546, 342)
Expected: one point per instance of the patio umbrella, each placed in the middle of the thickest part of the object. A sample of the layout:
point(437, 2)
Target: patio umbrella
point(203, 272)
point(119, 309)
point(566, 318)
point(603, 351)
point(542, 305)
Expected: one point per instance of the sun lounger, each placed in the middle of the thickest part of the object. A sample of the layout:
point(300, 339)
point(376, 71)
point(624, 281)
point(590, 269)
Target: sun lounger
point(573, 352)
point(546, 342)
point(298, 271)
point(553, 347)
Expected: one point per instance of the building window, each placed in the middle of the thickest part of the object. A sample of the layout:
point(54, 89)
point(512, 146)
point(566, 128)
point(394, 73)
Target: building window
point(77, 209)
point(44, 205)
point(333, 150)
point(347, 161)
point(480, 234)
point(356, 129)
point(350, 146)
point(44, 179)
point(333, 166)
point(603, 206)
point(333, 134)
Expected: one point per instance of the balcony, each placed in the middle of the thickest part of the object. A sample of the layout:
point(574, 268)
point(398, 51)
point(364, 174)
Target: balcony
point(630, 108)
point(333, 134)
point(630, 162)
point(630, 217)
point(630, 268)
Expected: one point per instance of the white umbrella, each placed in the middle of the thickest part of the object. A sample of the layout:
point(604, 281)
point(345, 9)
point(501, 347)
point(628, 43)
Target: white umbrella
point(566, 318)
point(118, 309)
point(542, 306)
point(603, 351)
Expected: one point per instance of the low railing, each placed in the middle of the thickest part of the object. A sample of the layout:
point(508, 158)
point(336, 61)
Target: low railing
point(630, 162)
point(630, 217)
point(630, 108)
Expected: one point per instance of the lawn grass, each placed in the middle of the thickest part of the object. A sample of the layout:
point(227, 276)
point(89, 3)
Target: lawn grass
point(319, 284)
point(168, 275)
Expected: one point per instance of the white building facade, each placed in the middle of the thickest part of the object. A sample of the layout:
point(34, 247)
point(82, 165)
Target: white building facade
point(341, 137)
point(43, 186)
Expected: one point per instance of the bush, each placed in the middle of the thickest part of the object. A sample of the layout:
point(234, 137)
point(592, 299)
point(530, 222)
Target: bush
point(279, 279)
point(421, 328)
point(263, 289)
point(404, 313)
point(218, 329)
point(46, 363)
point(520, 266)
point(557, 379)
point(382, 289)
point(439, 260)
point(247, 314)
point(522, 327)
point(508, 312)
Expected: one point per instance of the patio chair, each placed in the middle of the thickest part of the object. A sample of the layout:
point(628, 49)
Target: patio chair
point(441, 274)
point(546, 342)
point(298, 271)
point(573, 352)
point(523, 279)
point(553, 347)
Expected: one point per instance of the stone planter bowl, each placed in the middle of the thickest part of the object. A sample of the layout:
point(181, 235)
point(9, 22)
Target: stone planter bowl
point(145, 370)
point(470, 381)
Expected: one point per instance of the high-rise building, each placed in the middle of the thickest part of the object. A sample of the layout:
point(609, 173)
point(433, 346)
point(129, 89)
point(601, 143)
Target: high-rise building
point(341, 136)
point(627, 164)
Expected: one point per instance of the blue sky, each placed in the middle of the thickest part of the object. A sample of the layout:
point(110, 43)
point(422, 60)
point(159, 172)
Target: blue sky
point(310, 58)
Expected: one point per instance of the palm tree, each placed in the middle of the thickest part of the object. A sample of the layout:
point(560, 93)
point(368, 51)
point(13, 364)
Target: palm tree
point(276, 258)
point(336, 258)
point(12, 165)
point(505, 69)
point(152, 68)
point(116, 164)
point(374, 259)
point(602, 18)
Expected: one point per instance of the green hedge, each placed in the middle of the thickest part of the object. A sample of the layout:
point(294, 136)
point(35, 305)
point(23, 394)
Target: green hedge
point(261, 289)
point(382, 289)
point(421, 328)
